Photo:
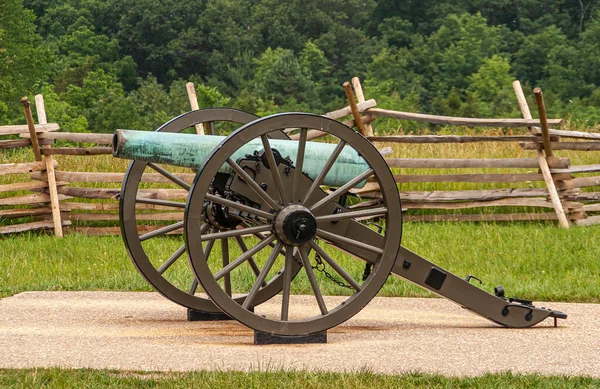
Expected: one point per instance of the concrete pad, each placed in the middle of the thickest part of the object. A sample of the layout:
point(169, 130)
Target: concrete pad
point(143, 331)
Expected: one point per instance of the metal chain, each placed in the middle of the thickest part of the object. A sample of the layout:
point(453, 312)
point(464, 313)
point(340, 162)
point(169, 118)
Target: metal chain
point(320, 266)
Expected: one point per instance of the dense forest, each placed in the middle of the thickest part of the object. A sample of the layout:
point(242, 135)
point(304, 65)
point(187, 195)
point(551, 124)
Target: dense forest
point(106, 64)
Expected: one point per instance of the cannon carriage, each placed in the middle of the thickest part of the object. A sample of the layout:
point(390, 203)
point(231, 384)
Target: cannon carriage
point(264, 211)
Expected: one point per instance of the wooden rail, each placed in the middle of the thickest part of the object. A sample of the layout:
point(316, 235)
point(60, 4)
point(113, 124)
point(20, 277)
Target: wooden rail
point(451, 139)
point(77, 151)
point(23, 128)
point(87, 197)
point(574, 146)
point(105, 139)
point(457, 163)
point(113, 177)
point(456, 121)
point(493, 178)
point(23, 167)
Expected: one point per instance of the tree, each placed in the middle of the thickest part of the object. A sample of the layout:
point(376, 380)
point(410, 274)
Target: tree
point(491, 88)
point(536, 52)
point(102, 101)
point(458, 49)
point(280, 77)
point(59, 20)
point(427, 55)
point(396, 31)
point(59, 111)
point(154, 33)
point(23, 59)
point(588, 53)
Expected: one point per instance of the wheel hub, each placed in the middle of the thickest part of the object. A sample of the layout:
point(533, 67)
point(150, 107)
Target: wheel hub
point(295, 225)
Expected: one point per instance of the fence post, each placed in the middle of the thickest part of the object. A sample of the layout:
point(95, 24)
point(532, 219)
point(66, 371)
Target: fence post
point(50, 174)
point(361, 98)
point(539, 101)
point(35, 144)
point(354, 108)
point(556, 203)
point(191, 91)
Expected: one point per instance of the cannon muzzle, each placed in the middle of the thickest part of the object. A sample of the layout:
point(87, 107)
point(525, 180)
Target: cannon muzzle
point(189, 150)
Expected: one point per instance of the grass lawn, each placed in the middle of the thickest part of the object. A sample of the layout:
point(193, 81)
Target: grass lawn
point(531, 260)
point(66, 378)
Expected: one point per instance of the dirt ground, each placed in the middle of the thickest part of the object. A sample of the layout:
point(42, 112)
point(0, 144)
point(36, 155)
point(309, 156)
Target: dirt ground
point(143, 331)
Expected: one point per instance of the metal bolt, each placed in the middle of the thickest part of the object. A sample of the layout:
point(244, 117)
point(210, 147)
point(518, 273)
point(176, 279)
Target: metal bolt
point(301, 230)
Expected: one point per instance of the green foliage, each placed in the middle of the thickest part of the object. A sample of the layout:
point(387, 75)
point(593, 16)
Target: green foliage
point(208, 96)
point(60, 111)
point(280, 76)
point(23, 58)
point(152, 105)
point(587, 108)
point(125, 63)
point(457, 50)
point(102, 101)
point(537, 52)
point(588, 53)
point(491, 87)
point(396, 31)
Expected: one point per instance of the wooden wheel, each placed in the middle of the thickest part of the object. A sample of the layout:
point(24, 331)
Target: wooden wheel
point(296, 221)
point(158, 254)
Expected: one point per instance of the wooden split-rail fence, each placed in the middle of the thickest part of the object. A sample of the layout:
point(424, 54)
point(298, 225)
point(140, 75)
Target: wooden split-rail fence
point(87, 202)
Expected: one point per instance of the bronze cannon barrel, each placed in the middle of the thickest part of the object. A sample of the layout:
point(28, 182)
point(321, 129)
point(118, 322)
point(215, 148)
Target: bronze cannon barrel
point(189, 150)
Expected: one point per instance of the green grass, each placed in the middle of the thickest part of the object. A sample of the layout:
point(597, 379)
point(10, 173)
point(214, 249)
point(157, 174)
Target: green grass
point(67, 378)
point(531, 260)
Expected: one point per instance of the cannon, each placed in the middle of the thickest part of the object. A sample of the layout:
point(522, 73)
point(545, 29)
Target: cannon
point(281, 210)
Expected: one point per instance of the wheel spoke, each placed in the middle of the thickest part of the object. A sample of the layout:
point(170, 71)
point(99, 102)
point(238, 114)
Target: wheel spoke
point(274, 169)
point(367, 204)
point(238, 206)
point(381, 211)
point(208, 248)
point(299, 165)
point(335, 265)
point(261, 277)
point(245, 256)
point(251, 262)
point(164, 203)
point(342, 190)
point(313, 282)
point(317, 182)
point(238, 232)
point(165, 173)
point(259, 191)
point(194, 286)
point(209, 128)
point(287, 283)
point(161, 231)
point(169, 262)
point(334, 238)
point(225, 255)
